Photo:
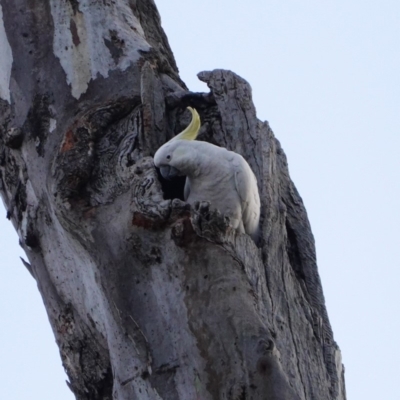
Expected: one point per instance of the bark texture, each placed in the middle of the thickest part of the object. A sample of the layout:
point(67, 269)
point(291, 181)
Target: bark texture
point(148, 298)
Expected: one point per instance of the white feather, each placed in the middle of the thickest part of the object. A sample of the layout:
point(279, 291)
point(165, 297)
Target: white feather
point(216, 175)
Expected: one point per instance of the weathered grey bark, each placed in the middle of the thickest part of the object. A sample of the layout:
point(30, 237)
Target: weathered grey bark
point(147, 298)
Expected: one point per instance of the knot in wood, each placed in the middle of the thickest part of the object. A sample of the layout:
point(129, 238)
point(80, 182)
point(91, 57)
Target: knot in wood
point(182, 232)
point(13, 138)
point(265, 346)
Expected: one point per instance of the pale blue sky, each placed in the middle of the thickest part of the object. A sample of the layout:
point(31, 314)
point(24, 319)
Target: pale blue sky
point(325, 74)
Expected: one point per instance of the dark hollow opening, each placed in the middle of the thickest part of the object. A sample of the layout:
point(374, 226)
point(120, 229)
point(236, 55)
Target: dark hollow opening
point(172, 189)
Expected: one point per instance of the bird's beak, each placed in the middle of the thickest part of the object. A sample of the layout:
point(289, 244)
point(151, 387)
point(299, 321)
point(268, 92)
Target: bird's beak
point(168, 172)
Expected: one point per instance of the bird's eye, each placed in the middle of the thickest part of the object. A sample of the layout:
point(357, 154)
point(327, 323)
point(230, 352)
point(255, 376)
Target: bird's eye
point(168, 157)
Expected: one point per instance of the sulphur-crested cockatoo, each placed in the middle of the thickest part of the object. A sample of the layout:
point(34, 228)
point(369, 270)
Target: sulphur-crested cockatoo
point(213, 174)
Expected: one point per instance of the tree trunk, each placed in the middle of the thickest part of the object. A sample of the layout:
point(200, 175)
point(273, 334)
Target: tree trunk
point(148, 298)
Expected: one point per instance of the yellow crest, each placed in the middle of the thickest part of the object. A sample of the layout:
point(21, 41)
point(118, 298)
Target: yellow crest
point(192, 130)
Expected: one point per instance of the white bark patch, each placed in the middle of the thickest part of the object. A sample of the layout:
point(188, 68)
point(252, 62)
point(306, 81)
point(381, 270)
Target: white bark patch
point(52, 124)
point(6, 60)
point(77, 271)
point(97, 38)
point(339, 368)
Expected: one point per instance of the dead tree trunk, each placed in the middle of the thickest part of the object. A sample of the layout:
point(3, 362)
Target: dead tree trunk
point(147, 298)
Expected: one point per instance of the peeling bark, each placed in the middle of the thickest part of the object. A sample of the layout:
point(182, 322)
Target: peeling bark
point(147, 297)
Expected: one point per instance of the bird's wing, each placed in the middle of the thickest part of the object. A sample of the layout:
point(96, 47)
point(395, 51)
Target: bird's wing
point(186, 190)
point(242, 187)
point(246, 186)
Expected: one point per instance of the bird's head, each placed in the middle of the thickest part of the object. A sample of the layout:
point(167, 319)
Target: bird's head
point(176, 157)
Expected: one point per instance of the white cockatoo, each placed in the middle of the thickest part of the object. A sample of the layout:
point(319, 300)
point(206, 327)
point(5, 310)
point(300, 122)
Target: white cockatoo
point(213, 174)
